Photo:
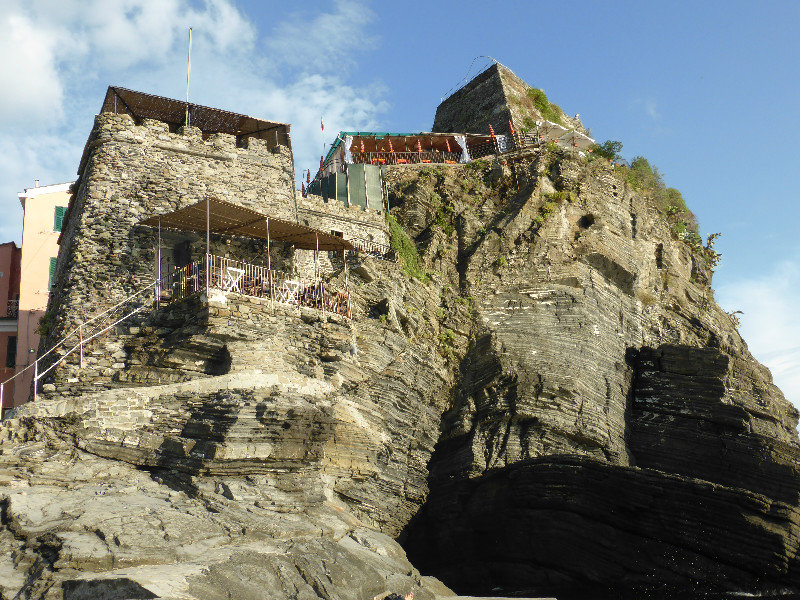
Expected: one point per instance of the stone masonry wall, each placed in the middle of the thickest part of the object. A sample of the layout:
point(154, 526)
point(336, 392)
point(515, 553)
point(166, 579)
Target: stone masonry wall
point(493, 97)
point(472, 108)
point(354, 222)
point(194, 338)
point(130, 172)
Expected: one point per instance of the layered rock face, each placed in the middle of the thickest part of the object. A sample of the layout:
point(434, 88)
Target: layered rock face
point(287, 473)
point(609, 427)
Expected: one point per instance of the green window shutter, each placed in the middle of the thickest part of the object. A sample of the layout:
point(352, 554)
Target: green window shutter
point(58, 220)
point(52, 273)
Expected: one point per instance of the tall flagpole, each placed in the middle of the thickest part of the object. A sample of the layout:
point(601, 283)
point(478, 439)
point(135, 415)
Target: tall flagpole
point(188, 73)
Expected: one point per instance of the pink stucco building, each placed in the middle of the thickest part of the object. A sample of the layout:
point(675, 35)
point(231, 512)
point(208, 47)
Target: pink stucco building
point(9, 298)
point(43, 213)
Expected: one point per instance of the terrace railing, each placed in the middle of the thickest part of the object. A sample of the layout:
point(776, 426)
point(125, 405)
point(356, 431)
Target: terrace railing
point(526, 139)
point(406, 158)
point(374, 249)
point(484, 149)
point(230, 275)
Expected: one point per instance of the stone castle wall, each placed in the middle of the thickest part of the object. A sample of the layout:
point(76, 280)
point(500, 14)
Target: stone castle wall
point(195, 338)
point(354, 222)
point(130, 172)
point(475, 106)
point(492, 98)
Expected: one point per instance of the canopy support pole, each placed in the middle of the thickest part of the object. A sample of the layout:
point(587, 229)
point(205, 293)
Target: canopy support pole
point(346, 281)
point(208, 245)
point(317, 278)
point(316, 257)
point(269, 271)
point(158, 266)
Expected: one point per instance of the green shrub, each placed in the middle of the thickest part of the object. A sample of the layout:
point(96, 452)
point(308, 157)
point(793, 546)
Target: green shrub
point(551, 146)
point(547, 109)
point(644, 177)
point(528, 124)
point(406, 250)
point(45, 323)
point(442, 218)
point(610, 149)
point(477, 165)
point(500, 262)
point(561, 196)
point(446, 342)
point(547, 208)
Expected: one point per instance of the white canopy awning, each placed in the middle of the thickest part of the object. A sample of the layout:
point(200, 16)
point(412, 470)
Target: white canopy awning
point(549, 130)
point(575, 139)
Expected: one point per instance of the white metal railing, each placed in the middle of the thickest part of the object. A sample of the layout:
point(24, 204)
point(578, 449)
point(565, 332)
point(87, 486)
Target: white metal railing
point(237, 276)
point(83, 333)
point(374, 249)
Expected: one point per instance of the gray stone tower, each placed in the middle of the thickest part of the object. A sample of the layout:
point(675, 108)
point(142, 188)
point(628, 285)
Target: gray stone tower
point(139, 161)
point(493, 97)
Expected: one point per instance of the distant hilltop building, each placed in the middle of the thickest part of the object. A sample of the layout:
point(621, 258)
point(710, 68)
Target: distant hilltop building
point(352, 171)
point(499, 98)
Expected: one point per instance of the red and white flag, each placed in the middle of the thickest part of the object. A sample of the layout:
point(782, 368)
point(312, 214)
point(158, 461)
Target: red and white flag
point(321, 124)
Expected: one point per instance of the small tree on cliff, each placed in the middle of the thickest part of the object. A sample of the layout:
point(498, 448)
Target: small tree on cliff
point(610, 149)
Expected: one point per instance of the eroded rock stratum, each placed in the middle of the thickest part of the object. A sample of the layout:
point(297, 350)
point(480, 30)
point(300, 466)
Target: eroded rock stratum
point(558, 406)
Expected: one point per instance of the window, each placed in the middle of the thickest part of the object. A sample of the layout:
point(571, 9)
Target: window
point(58, 219)
point(52, 273)
point(11, 352)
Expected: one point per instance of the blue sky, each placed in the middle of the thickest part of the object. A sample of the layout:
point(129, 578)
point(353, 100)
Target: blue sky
point(708, 92)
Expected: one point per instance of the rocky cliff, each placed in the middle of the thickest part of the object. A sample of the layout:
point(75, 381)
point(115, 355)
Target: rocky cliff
point(608, 428)
point(541, 396)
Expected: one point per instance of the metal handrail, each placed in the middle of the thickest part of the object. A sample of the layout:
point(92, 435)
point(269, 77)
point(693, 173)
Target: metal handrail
point(374, 249)
point(307, 293)
point(79, 346)
point(79, 328)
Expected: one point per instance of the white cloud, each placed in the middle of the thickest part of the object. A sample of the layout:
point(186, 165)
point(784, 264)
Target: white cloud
point(30, 89)
point(54, 83)
point(647, 105)
point(651, 108)
point(769, 324)
point(325, 41)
